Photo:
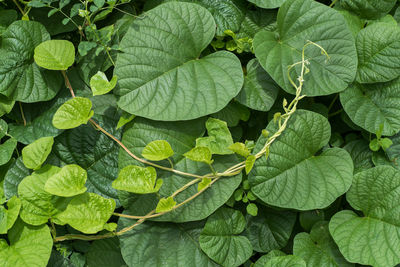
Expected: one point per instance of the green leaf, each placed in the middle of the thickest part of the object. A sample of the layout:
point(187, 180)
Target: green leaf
point(361, 155)
point(249, 163)
point(309, 218)
point(15, 174)
point(68, 182)
point(7, 150)
point(28, 246)
point(157, 150)
point(385, 143)
point(7, 17)
point(55, 54)
point(124, 119)
point(199, 154)
point(3, 128)
point(299, 21)
point(259, 90)
point(87, 213)
point(155, 244)
point(221, 241)
point(262, 261)
point(148, 91)
point(368, 9)
point(270, 229)
point(6, 105)
point(286, 261)
point(21, 79)
point(73, 113)
point(292, 176)
point(240, 149)
point(318, 248)
point(205, 182)
point(11, 214)
point(371, 105)
point(219, 137)
point(138, 180)
point(252, 209)
point(38, 206)
point(100, 84)
point(232, 114)
point(105, 253)
point(375, 192)
point(35, 154)
point(267, 3)
point(165, 204)
point(374, 145)
point(378, 49)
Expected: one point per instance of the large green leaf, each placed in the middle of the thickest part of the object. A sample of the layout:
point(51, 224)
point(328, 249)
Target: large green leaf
point(375, 237)
point(361, 155)
point(21, 79)
point(256, 20)
point(378, 49)
point(10, 214)
point(318, 248)
point(38, 206)
point(55, 54)
point(286, 261)
point(163, 244)
point(73, 113)
point(369, 9)
point(270, 229)
point(292, 176)
point(371, 105)
point(221, 241)
point(181, 136)
point(299, 21)
point(35, 154)
point(267, 3)
point(183, 86)
point(262, 261)
point(29, 246)
point(259, 91)
point(68, 182)
point(13, 177)
point(105, 253)
point(87, 213)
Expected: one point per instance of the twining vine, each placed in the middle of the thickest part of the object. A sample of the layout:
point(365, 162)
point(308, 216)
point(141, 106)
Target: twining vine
point(282, 120)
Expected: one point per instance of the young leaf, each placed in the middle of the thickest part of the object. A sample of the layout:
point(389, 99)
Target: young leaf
point(87, 213)
point(249, 163)
point(124, 119)
point(35, 154)
point(200, 154)
point(203, 184)
point(100, 84)
point(55, 54)
point(240, 149)
point(252, 209)
point(385, 143)
point(68, 182)
point(73, 113)
point(374, 145)
point(138, 180)
point(157, 150)
point(165, 204)
point(219, 137)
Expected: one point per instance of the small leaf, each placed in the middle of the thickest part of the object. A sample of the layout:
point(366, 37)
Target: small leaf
point(219, 137)
point(125, 118)
point(55, 54)
point(73, 113)
point(200, 154)
point(240, 149)
point(111, 227)
point(138, 180)
point(265, 133)
point(100, 84)
point(68, 182)
point(250, 160)
point(165, 204)
point(203, 184)
point(157, 150)
point(385, 143)
point(35, 154)
point(252, 209)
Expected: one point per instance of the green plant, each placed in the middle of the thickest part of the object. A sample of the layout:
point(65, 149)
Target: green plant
point(199, 133)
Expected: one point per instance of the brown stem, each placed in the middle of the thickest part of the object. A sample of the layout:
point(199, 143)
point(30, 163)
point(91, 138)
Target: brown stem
point(67, 83)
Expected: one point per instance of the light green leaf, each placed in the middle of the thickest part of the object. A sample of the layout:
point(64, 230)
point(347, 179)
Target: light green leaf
point(240, 149)
point(375, 192)
point(35, 154)
point(157, 150)
point(259, 90)
point(87, 213)
point(38, 206)
point(378, 49)
point(28, 246)
point(100, 84)
point(73, 113)
point(68, 182)
point(292, 176)
point(165, 204)
point(318, 248)
point(369, 9)
point(148, 91)
point(371, 105)
point(249, 163)
point(55, 54)
point(138, 180)
point(286, 261)
point(267, 3)
point(297, 22)
point(10, 214)
point(199, 154)
point(124, 119)
point(21, 79)
point(7, 149)
point(221, 241)
point(219, 137)
point(205, 182)
point(105, 253)
point(156, 244)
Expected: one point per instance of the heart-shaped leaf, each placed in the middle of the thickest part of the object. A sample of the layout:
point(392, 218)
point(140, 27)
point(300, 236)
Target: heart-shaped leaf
point(35, 154)
point(369, 9)
point(68, 182)
point(100, 84)
point(55, 54)
point(73, 113)
point(157, 150)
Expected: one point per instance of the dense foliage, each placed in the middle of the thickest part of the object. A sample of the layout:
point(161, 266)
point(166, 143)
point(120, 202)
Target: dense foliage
point(199, 133)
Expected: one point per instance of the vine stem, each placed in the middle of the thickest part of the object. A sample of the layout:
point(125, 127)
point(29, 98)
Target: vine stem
point(22, 113)
point(19, 7)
